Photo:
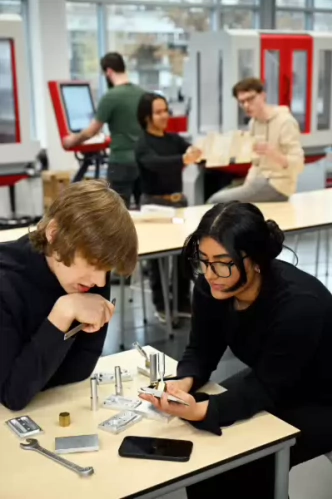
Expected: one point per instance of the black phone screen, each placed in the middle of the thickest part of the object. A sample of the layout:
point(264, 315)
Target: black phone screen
point(164, 449)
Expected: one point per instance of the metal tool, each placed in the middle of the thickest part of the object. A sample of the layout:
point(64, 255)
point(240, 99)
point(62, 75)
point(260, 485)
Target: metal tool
point(142, 352)
point(118, 381)
point(74, 331)
point(153, 368)
point(94, 393)
point(33, 444)
point(79, 328)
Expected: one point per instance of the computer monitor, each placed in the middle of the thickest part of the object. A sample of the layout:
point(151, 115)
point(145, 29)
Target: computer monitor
point(78, 104)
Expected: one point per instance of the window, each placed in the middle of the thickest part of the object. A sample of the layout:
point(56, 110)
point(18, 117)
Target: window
point(154, 42)
point(240, 2)
point(7, 101)
point(237, 18)
point(272, 75)
point(83, 43)
point(10, 7)
point(322, 21)
point(324, 90)
point(288, 20)
point(291, 3)
point(323, 4)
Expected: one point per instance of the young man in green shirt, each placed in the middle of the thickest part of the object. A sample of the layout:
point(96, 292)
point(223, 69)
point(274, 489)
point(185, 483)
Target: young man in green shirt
point(117, 108)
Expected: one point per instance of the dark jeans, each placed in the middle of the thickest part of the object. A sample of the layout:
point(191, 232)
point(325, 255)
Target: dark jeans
point(125, 181)
point(153, 267)
point(256, 480)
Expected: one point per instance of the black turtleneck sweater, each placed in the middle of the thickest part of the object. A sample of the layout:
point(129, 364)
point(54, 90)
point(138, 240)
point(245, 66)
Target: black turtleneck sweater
point(33, 353)
point(285, 336)
point(160, 162)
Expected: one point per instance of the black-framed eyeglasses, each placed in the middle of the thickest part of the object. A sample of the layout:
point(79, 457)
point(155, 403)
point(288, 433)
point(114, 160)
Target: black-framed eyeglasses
point(247, 100)
point(220, 269)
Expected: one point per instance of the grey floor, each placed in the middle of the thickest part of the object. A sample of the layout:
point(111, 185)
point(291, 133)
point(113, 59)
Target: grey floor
point(308, 481)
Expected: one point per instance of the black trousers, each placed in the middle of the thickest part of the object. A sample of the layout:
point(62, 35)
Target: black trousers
point(256, 480)
point(124, 179)
point(153, 267)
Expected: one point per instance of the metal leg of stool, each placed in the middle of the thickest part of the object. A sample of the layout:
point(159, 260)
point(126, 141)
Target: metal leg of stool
point(163, 269)
point(175, 290)
point(317, 253)
point(145, 321)
point(122, 312)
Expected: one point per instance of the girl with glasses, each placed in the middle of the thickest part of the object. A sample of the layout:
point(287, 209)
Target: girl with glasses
point(277, 320)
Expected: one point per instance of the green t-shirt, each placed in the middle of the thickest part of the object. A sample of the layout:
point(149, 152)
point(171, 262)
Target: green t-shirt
point(118, 108)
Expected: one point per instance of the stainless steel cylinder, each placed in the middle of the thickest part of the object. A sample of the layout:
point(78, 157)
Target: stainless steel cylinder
point(118, 381)
point(94, 393)
point(153, 368)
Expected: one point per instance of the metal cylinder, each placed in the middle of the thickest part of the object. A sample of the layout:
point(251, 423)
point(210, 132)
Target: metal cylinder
point(94, 393)
point(161, 365)
point(153, 368)
point(118, 380)
point(64, 419)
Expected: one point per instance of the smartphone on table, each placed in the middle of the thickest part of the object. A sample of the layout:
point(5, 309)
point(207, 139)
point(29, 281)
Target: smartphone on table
point(161, 449)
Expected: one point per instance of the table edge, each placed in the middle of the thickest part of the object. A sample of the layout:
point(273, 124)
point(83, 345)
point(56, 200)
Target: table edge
point(185, 476)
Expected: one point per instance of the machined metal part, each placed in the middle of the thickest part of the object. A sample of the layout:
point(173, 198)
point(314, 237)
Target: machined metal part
point(120, 422)
point(143, 353)
point(94, 393)
point(64, 419)
point(104, 378)
point(24, 426)
point(118, 381)
point(33, 444)
point(153, 368)
point(161, 370)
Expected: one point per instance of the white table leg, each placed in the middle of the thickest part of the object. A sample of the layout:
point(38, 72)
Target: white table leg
point(281, 483)
point(145, 321)
point(163, 269)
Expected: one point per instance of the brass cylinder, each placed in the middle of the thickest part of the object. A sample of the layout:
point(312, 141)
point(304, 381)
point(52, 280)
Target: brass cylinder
point(64, 419)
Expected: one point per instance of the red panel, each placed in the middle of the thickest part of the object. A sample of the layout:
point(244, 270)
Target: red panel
point(15, 87)
point(9, 180)
point(177, 124)
point(61, 118)
point(287, 45)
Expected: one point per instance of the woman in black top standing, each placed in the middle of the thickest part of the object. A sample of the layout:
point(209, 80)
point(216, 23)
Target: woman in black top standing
point(161, 157)
point(277, 320)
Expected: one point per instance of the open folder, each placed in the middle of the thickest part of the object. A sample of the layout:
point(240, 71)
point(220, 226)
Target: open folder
point(222, 149)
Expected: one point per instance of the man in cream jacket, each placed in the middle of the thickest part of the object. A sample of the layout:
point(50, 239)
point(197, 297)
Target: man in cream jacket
point(280, 157)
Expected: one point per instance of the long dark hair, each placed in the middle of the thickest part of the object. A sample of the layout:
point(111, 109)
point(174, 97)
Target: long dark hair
point(145, 107)
point(242, 230)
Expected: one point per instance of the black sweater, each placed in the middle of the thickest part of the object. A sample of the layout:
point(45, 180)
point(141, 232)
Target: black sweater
point(160, 163)
point(285, 336)
point(33, 353)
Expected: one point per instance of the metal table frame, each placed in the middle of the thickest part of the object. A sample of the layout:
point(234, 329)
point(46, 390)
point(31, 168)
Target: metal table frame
point(281, 484)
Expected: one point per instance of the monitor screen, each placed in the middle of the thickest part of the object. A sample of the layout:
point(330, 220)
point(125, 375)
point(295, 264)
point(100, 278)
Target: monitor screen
point(79, 106)
point(7, 96)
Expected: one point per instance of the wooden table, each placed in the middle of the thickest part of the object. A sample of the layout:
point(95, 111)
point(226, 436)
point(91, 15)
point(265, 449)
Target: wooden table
point(27, 475)
point(304, 212)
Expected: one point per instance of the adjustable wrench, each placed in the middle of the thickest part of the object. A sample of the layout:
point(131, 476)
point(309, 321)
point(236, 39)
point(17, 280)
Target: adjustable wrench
point(33, 444)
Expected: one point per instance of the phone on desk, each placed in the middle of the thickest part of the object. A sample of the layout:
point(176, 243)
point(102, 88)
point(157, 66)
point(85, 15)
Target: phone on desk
point(160, 449)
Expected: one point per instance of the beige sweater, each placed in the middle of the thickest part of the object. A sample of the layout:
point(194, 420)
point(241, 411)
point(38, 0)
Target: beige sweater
point(282, 131)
